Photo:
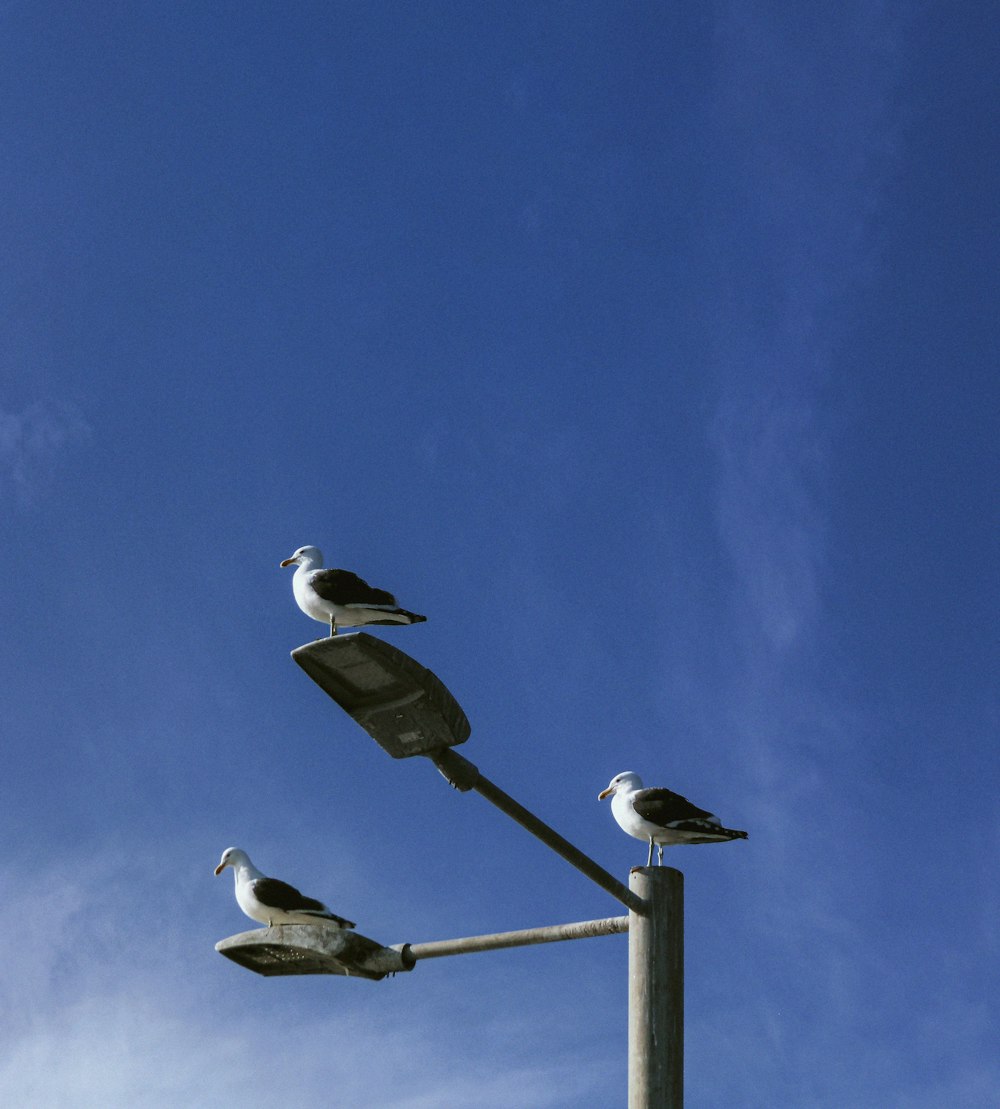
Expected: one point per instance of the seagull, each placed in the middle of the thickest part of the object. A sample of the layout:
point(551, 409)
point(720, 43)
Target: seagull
point(340, 598)
point(271, 901)
point(661, 816)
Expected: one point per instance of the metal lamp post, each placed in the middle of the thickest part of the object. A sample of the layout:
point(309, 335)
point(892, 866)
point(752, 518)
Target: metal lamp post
point(408, 711)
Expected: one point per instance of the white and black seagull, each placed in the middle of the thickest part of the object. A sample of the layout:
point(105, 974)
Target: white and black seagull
point(340, 598)
point(661, 816)
point(272, 901)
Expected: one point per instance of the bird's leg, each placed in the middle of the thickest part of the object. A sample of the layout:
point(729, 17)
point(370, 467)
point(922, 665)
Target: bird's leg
point(333, 626)
point(649, 860)
point(659, 848)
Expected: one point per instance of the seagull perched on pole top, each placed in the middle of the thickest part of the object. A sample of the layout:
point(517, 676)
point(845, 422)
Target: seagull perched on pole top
point(272, 901)
point(661, 816)
point(340, 598)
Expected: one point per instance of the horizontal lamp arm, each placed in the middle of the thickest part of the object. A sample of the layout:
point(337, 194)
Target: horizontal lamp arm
point(552, 933)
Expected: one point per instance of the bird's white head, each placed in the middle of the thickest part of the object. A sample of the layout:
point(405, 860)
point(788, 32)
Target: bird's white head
point(625, 782)
point(232, 856)
point(305, 556)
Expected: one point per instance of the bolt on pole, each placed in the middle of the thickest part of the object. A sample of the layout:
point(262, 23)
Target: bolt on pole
point(656, 990)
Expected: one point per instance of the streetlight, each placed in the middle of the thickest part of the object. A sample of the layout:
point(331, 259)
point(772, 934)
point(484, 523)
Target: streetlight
point(408, 711)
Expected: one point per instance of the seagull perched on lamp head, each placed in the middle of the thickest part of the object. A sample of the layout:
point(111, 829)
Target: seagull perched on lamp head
point(661, 816)
point(271, 901)
point(340, 598)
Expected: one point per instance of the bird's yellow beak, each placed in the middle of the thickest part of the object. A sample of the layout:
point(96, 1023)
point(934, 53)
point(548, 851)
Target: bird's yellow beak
point(220, 868)
point(605, 793)
point(288, 562)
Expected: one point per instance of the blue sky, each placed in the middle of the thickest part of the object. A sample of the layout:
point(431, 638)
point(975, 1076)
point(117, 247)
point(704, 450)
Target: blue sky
point(650, 350)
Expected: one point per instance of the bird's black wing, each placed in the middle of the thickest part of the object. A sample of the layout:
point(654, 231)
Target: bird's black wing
point(663, 806)
point(344, 588)
point(280, 895)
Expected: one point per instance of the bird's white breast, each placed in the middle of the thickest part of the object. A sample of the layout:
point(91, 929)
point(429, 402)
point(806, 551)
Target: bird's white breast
point(247, 902)
point(308, 599)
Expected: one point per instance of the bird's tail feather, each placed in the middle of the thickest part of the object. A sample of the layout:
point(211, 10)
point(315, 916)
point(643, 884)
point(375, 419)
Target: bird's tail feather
point(342, 921)
point(409, 618)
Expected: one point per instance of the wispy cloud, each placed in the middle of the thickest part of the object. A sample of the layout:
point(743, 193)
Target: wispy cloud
point(31, 443)
point(805, 134)
point(157, 1049)
point(115, 999)
point(770, 450)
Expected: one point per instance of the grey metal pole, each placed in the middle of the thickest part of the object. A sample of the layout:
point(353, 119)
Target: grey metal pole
point(464, 775)
point(551, 933)
point(656, 990)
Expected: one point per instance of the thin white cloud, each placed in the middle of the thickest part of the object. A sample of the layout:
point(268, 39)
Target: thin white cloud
point(805, 135)
point(768, 449)
point(156, 1049)
point(107, 1004)
point(31, 443)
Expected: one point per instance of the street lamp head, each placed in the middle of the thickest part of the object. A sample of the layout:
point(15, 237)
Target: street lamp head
point(313, 949)
point(404, 707)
